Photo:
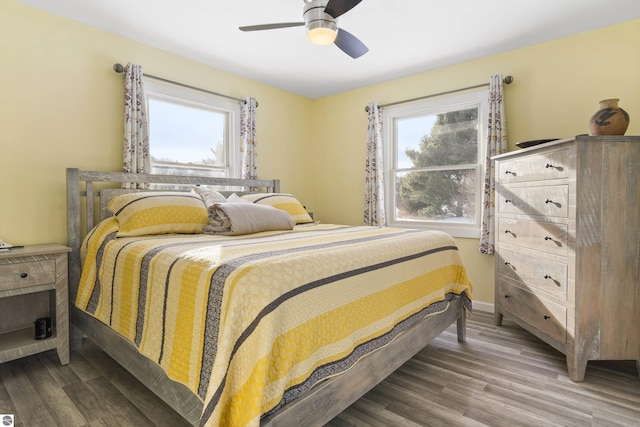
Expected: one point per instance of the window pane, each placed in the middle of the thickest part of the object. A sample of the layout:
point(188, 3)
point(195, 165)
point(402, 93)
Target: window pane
point(449, 138)
point(443, 195)
point(186, 135)
point(186, 170)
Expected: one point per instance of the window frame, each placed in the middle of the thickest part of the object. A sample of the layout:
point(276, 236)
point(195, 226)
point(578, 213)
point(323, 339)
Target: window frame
point(433, 106)
point(192, 98)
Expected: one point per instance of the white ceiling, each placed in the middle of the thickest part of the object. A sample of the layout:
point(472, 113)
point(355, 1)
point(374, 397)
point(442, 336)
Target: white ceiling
point(404, 36)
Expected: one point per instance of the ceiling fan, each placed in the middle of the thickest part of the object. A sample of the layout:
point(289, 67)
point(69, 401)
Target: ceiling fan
point(322, 29)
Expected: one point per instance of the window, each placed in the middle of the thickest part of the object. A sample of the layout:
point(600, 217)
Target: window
point(192, 133)
point(434, 163)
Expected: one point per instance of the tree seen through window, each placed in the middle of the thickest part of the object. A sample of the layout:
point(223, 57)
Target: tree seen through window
point(441, 183)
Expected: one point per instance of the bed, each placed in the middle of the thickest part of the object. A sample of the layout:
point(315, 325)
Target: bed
point(281, 327)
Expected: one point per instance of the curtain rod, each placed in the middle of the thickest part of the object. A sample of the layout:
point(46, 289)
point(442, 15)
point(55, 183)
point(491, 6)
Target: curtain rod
point(507, 80)
point(119, 68)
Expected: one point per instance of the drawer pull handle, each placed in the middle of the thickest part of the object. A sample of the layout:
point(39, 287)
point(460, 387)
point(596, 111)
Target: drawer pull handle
point(547, 317)
point(547, 201)
point(507, 296)
point(23, 275)
point(557, 242)
point(507, 263)
point(549, 165)
point(546, 276)
point(508, 201)
point(510, 173)
point(507, 231)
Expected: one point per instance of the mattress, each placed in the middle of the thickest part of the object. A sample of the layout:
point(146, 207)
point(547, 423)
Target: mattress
point(249, 323)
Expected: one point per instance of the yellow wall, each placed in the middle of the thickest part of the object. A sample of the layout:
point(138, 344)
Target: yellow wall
point(556, 90)
point(61, 106)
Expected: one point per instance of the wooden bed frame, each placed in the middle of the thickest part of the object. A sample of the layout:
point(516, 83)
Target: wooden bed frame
point(319, 406)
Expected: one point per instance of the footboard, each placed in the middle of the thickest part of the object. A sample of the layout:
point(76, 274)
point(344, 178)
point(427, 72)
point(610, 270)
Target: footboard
point(318, 407)
point(334, 395)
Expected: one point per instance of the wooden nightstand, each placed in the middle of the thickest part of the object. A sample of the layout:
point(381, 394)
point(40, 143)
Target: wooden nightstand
point(33, 284)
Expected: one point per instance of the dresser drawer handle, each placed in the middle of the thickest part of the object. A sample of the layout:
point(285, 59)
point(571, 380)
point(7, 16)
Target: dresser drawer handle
point(549, 165)
point(547, 317)
point(557, 242)
point(23, 275)
point(547, 201)
point(507, 296)
point(507, 231)
point(555, 281)
point(510, 173)
point(508, 201)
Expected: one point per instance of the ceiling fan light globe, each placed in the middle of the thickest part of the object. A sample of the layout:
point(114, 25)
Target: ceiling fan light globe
point(322, 36)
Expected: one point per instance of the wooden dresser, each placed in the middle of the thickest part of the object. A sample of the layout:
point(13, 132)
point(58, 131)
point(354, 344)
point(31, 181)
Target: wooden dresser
point(568, 246)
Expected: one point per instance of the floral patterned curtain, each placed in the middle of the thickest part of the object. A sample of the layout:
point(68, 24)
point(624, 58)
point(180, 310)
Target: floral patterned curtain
point(496, 144)
point(374, 186)
point(136, 126)
point(248, 143)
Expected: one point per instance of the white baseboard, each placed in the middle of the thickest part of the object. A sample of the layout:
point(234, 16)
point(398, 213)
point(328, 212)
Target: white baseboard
point(483, 306)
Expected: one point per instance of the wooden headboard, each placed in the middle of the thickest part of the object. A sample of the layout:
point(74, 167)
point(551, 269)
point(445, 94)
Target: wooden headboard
point(97, 188)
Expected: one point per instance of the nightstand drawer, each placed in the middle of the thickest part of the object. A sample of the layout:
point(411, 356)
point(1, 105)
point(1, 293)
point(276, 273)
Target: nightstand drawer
point(545, 315)
point(539, 167)
point(534, 272)
point(25, 274)
point(548, 237)
point(550, 200)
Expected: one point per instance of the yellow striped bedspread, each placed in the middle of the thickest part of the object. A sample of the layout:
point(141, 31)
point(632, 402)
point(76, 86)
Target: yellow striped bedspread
point(249, 323)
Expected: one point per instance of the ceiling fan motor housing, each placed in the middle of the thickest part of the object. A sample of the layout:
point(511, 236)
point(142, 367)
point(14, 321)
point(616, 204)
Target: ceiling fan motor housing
point(315, 17)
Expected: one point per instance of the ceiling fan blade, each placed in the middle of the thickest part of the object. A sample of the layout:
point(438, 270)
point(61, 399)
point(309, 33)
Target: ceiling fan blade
point(350, 44)
point(271, 26)
point(336, 8)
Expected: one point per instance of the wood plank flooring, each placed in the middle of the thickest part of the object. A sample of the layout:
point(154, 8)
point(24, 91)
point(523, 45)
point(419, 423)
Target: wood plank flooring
point(502, 376)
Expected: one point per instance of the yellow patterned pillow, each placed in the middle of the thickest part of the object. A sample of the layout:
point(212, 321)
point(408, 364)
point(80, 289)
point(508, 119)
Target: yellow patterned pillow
point(159, 212)
point(285, 202)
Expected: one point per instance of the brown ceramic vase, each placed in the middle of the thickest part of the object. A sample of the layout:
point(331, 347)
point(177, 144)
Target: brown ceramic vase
point(609, 119)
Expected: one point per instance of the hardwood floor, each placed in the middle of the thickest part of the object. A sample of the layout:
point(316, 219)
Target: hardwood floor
point(502, 376)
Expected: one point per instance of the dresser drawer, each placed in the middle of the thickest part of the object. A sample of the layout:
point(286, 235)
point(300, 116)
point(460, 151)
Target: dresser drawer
point(542, 236)
point(537, 167)
point(545, 315)
point(25, 274)
point(549, 200)
point(534, 272)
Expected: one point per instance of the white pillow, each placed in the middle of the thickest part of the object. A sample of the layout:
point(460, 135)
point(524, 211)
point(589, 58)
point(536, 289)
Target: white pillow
point(209, 197)
point(285, 202)
point(235, 198)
